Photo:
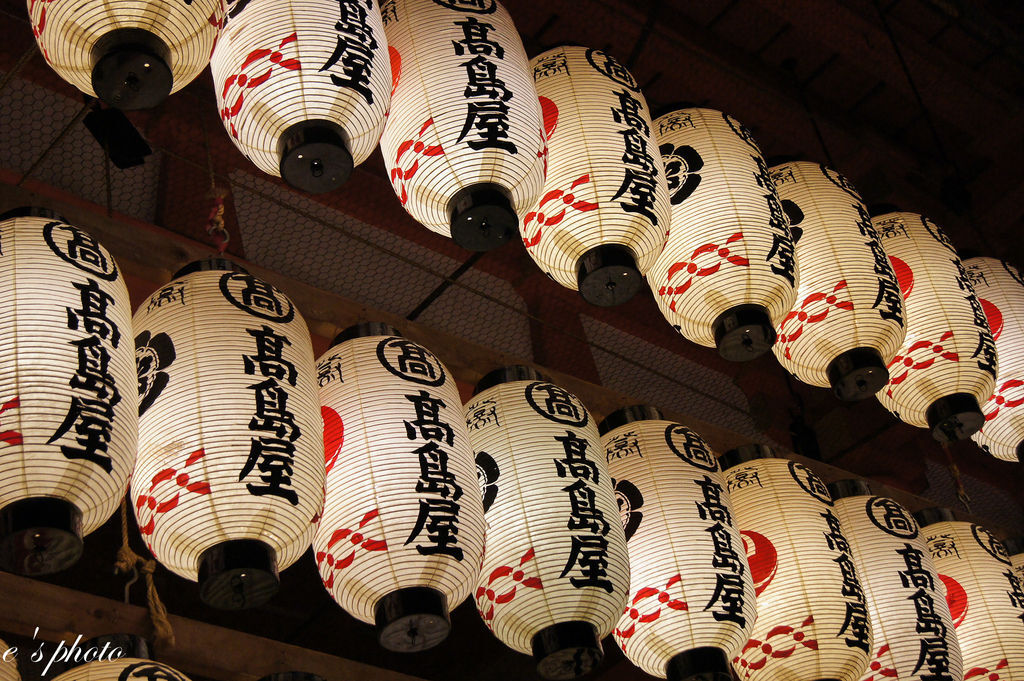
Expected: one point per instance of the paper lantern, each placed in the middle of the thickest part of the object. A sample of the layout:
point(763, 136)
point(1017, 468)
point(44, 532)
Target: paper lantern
point(848, 320)
point(603, 217)
point(985, 597)
point(812, 618)
point(230, 470)
point(303, 85)
point(914, 635)
point(691, 599)
point(1000, 290)
point(946, 366)
point(555, 573)
point(402, 531)
point(129, 53)
point(1015, 549)
point(464, 140)
point(122, 669)
point(8, 663)
point(728, 274)
point(68, 425)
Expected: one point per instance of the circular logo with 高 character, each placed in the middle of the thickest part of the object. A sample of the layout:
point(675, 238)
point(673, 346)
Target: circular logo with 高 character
point(150, 671)
point(610, 67)
point(891, 517)
point(410, 361)
point(690, 447)
point(992, 546)
point(256, 297)
point(810, 482)
point(80, 249)
point(470, 6)
point(556, 404)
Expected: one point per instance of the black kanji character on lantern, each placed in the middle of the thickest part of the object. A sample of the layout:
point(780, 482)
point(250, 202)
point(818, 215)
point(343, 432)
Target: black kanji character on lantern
point(269, 360)
point(354, 50)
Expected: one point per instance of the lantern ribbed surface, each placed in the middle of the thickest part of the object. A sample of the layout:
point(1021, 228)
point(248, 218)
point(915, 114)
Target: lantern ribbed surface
point(848, 305)
point(555, 551)
point(605, 182)
point(68, 401)
point(403, 508)
point(948, 349)
point(1000, 290)
point(690, 585)
point(285, 63)
point(811, 611)
point(1017, 562)
point(465, 125)
point(914, 636)
point(122, 669)
point(730, 243)
point(8, 664)
point(986, 598)
point(230, 435)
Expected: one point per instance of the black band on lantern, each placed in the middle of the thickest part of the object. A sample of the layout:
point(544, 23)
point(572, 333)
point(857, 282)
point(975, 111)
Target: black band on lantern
point(238, 574)
point(857, 374)
point(32, 212)
point(314, 156)
point(743, 333)
point(292, 676)
point(211, 264)
point(850, 487)
point(607, 275)
point(1014, 545)
point(624, 415)
point(566, 650)
point(412, 619)
point(482, 217)
point(364, 330)
point(744, 453)
point(130, 69)
point(935, 514)
point(509, 374)
point(954, 417)
point(699, 664)
point(39, 536)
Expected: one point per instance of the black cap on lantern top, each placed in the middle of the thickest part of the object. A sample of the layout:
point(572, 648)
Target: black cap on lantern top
point(292, 676)
point(314, 156)
point(743, 332)
point(365, 329)
point(238, 574)
point(624, 415)
point(699, 664)
point(1014, 545)
point(744, 453)
point(935, 514)
point(130, 69)
point(482, 217)
point(566, 650)
point(412, 619)
point(39, 536)
point(954, 417)
point(850, 487)
point(509, 374)
point(32, 212)
point(857, 374)
point(607, 275)
point(211, 264)
point(876, 209)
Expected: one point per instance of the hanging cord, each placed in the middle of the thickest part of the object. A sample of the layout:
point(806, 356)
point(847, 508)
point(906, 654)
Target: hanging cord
point(129, 562)
point(954, 471)
point(215, 221)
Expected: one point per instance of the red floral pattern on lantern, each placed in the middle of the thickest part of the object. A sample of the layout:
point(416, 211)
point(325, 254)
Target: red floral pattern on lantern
point(409, 153)
point(812, 312)
point(357, 539)
point(39, 26)
point(487, 597)
point(664, 599)
point(780, 642)
point(11, 437)
point(152, 506)
point(985, 674)
point(878, 671)
point(556, 213)
point(920, 355)
point(243, 81)
point(723, 254)
point(999, 397)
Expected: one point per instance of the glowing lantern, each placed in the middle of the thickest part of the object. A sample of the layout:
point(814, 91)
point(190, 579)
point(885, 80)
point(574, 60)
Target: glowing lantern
point(230, 470)
point(464, 140)
point(812, 618)
point(914, 635)
point(129, 53)
point(691, 599)
point(67, 391)
point(303, 85)
point(122, 669)
point(402, 531)
point(1015, 549)
point(1000, 290)
point(8, 664)
point(555, 573)
point(848, 321)
point(728, 274)
point(604, 215)
point(986, 597)
point(946, 366)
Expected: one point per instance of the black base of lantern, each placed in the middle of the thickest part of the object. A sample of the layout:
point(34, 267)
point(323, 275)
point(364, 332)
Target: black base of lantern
point(857, 374)
point(314, 157)
point(743, 333)
point(935, 514)
point(627, 415)
point(39, 536)
point(238, 574)
point(608, 276)
point(743, 454)
point(130, 69)
point(412, 619)
point(566, 650)
point(954, 417)
point(699, 664)
point(1020, 451)
point(482, 217)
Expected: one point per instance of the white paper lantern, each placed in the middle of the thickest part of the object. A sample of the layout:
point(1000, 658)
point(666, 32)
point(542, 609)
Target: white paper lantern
point(68, 408)
point(303, 86)
point(129, 53)
point(989, 597)
point(402, 532)
point(946, 366)
point(1000, 290)
point(555, 573)
point(1015, 549)
point(604, 215)
point(230, 470)
point(812, 618)
point(8, 663)
point(848, 320)
point(122, 669)
point(728, 274)
point(914, 635)
point(691, 599)
point(464, 140)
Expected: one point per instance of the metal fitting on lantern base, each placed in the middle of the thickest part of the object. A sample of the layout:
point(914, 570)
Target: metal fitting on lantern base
point(314, 156)
point(699, 664)
point(482, 217)
point(743, 454)
point(508, 374)
point(39, 536)
point(130, 69)
point(857, 374)
point(412, 619)
point(935, 514)
point(849, 487)
point(743, 333)
point(238, 574)
point(566, 650)
point(627, 415)
point(607, 275)
point(954, 417)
